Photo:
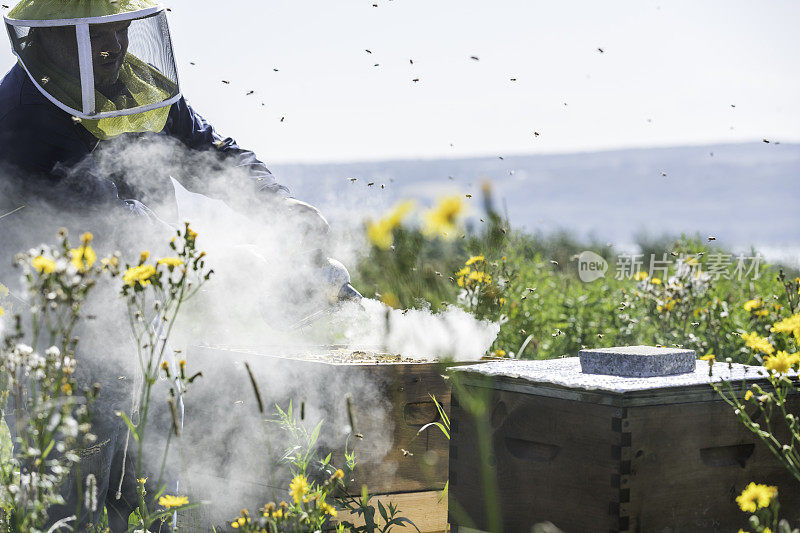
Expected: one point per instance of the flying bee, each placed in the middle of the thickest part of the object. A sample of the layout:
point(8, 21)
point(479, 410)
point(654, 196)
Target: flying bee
point(282, 119)
point(535, 133)
point(513, 79)
point(383, 185)
point(500, 157)
point(226, 82)
point(554, 262)
point(249, 93)
point(76, 120)
point(370, 184)
point(437, 272)
point(415, 80)
point(468, 195)
point(530, 289)
point(45, 79)
point(600, 50)
point(474, 58)
point(712, 238)
point(104, 54)
point(663, 173)
point(695, 324)
point(352, 179)
point(406, 453)
point(239, 402)
point(367, 51)
point(411, 61)
point(599, 335)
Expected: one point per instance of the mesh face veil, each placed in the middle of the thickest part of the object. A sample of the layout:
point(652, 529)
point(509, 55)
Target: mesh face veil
point(108, 62)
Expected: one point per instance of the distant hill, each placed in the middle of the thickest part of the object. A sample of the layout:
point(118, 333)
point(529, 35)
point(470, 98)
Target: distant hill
point(745, 194)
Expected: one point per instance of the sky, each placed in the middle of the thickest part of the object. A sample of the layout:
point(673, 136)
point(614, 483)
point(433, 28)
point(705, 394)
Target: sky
point(670, 73)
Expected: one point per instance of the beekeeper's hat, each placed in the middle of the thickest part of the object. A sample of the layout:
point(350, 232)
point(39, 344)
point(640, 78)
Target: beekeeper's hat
point(107, 62)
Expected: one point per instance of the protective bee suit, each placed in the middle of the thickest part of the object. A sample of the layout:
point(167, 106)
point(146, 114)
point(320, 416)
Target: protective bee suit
point(91, 72)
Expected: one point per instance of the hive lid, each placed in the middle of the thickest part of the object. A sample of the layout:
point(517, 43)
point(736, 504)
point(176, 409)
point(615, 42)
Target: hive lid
point(637, 361)
point(563, 378)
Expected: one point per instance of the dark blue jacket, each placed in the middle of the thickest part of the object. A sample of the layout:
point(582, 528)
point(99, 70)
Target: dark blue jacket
point(46, 153)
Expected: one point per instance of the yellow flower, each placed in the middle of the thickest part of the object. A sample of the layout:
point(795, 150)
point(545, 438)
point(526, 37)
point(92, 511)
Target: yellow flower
point(327, 509)
point(391, 300)
point(142, 480)
point(756, 496)
point(751, 305)
point(139, 274)
point(298, 488)
point(82, 257)
point(170, 261)
point(169, 501)
point(708, 357)
point(474, 259)
point(655, 281)
point(499, 353)
point(639, 276)
point(144, 256)
point(381, 233)
point(781, 362)
point(86, 238)
point(339, 474)
point(444, 216)
point(789, 325)
point(2, 311)
point(748, 395)
point(44, 265)
point(669, 305)
point(760, 344)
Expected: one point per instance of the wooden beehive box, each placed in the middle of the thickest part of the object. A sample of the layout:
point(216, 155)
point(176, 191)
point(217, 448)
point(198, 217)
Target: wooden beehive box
point(390, 403)
point(591, 453)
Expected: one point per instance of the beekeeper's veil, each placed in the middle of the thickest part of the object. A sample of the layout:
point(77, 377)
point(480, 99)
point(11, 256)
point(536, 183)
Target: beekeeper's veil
point(107, 62)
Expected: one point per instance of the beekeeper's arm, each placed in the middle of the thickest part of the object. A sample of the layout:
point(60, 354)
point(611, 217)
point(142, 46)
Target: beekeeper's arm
point(251, 187)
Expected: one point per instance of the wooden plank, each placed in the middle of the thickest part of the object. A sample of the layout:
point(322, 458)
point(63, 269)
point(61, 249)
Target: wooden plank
point(690, 461)
point(553, 460)
point(425, 509)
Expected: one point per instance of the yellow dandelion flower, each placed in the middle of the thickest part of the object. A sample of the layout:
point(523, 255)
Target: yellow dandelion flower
point(474, 259)
point(2, 311)
point(339, 474)
point(444, 217)
point(139, 274)
point(298, 488)
point(235, 525)
point(169, 501)
point(655, 281)
point(760, 344)
point(82, 257)
point(640, 275)
point(381, 233)
point(144, 256)
point(709, 357)
point(748, 395)
point(499, 353)
point(756, 496)
point(789, 325)
point(391, 300)
point(752, 305)
point(44, 265)
point(170, 261)
point(781, 362)
point(190, 233)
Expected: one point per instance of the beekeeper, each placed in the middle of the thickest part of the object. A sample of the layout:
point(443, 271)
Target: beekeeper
point(90, 72)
